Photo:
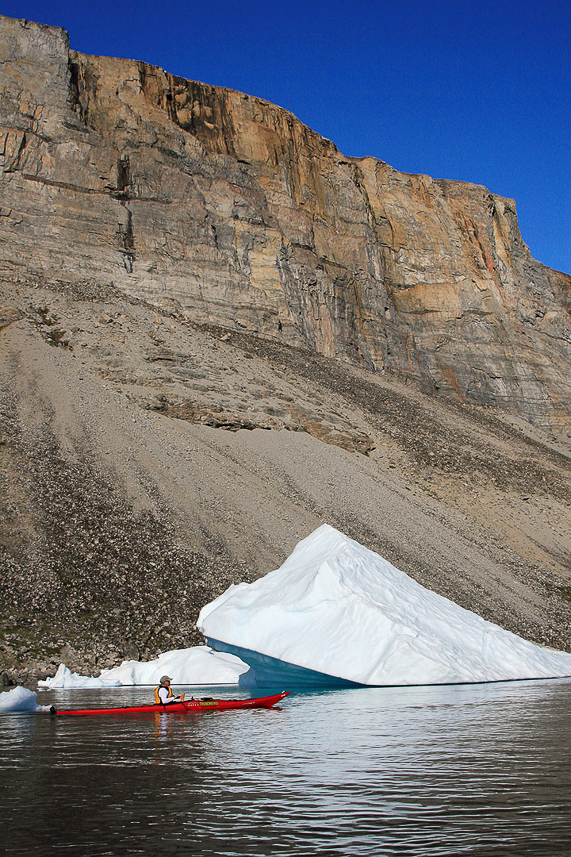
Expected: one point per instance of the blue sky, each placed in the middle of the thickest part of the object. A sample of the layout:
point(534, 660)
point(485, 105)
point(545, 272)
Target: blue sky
point(476, 91)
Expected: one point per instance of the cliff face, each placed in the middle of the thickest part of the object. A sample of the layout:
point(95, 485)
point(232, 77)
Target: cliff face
point(179, 264)
point(226, 209)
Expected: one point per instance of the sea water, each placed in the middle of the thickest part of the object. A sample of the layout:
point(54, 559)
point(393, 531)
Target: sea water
point(467, 769)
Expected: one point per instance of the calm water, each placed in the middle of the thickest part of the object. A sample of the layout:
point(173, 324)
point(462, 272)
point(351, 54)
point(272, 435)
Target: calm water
point(480, 770)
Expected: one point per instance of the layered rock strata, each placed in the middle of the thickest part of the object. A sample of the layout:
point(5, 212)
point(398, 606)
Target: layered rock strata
point(228, 210)
point(210, 320)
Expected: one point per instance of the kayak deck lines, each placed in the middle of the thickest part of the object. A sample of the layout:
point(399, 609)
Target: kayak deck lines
point(191, 706)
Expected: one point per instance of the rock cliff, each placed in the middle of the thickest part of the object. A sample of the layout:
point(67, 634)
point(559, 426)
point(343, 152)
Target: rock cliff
point(227, 209)
point(217, 332)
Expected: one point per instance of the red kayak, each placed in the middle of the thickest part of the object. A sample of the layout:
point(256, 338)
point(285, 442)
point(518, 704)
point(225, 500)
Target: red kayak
point(191, 706)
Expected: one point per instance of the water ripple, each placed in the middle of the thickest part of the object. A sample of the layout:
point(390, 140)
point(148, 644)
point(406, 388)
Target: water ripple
point(478, 770)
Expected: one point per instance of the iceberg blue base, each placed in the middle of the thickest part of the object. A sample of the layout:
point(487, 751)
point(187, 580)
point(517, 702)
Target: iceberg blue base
point(271, 672)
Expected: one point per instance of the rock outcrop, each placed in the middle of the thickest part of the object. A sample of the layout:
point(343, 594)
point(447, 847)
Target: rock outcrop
point(226, 209)
point(217, 332)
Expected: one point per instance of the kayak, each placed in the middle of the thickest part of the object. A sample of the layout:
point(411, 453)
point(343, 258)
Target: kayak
point(190, 706)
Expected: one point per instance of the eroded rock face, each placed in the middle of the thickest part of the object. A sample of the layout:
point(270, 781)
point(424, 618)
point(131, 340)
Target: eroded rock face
point(228, 210)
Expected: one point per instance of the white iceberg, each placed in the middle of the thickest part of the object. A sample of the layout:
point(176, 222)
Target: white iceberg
point(336, 612)
point(197, 665)
point(20, 700)
point(65, 678)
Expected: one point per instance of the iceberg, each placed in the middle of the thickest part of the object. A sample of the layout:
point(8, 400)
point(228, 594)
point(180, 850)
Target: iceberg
point(65, 678)
point(20, 700)
point(197, 665)
point(336, 613)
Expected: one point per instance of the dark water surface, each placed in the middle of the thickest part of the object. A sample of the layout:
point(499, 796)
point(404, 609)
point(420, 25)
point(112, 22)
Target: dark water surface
point(480, 770)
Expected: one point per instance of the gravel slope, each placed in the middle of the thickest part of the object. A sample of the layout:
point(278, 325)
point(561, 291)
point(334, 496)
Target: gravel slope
point(146, 463)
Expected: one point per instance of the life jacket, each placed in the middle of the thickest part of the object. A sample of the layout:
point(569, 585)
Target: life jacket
point(158, 700)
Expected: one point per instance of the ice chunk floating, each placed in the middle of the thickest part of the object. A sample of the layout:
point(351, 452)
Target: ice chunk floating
point(198, 665)
point(338, 613)
point(20, 700)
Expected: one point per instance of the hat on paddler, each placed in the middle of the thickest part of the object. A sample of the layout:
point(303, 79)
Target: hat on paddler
point(165, 678)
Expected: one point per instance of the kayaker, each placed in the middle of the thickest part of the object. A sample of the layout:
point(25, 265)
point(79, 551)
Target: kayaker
point(164, 694)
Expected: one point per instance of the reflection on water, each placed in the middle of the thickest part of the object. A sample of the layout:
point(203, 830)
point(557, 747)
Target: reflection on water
point(481, 769)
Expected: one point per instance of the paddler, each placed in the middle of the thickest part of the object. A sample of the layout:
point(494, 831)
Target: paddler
point(164, 694)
